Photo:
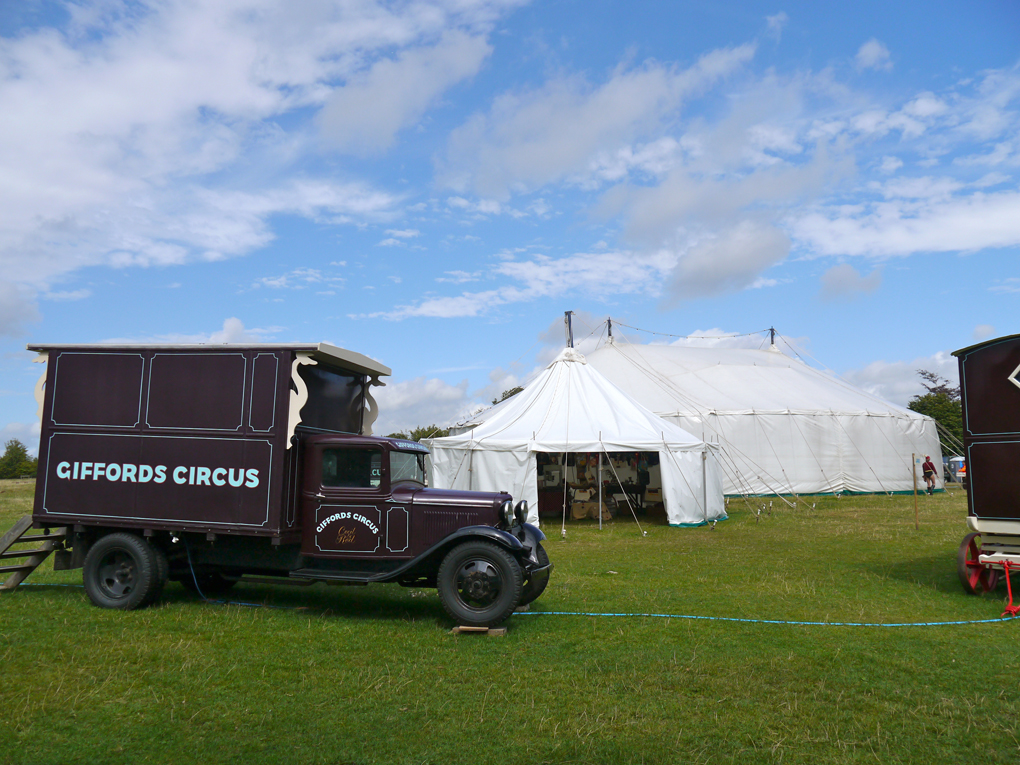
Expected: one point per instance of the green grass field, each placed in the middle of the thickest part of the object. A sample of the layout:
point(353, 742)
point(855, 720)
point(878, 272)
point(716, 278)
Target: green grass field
point(372, 675)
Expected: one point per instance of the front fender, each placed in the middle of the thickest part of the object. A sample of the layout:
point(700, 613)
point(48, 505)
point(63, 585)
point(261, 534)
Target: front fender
point(532, 534)
point(499, 536)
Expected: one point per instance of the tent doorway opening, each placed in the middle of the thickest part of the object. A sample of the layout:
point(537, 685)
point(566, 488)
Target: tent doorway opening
point(570, 481)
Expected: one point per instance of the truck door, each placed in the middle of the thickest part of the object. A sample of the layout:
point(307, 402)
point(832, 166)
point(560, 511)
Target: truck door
point(347, 512)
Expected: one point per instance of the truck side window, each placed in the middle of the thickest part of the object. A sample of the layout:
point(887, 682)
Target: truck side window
point(352, 468)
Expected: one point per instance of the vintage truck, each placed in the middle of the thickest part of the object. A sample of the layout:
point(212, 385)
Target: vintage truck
point(217, 464)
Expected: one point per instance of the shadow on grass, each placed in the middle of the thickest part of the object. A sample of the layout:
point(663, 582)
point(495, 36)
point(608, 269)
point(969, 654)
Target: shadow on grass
point(934, 571)
point(373, 603)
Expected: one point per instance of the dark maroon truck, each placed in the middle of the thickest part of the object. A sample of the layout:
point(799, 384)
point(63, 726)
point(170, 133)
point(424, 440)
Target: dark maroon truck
point(217, 464)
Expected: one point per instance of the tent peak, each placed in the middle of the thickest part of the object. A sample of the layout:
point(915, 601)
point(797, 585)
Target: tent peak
point(569, 354)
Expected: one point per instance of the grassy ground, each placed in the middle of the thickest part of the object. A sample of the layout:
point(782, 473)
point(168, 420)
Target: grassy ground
point(372, 675)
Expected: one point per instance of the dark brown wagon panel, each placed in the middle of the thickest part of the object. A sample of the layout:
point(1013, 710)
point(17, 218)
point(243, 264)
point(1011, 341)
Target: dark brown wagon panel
point(102, 390)
point(136, 479)
point(264, 383)
point(196, 391)
point(992, 399)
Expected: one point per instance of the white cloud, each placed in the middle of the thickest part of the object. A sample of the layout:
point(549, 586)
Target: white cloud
point(898, 381)
point(479, 208)
point(1007, 285)
point(599, 275)
point(67, 295)
point(530, 139)
point(422, 401)
point(983, 332)
point(898, 227)
point(720, 338)
point(364, 115)
point(299, 278)
point(776, 24)
point(458, 277)
point(121, 149)
point(873, 55)
point(17, 308)
point(728, 261)
point(891, 164)
point(844, 282)
point(233, 331)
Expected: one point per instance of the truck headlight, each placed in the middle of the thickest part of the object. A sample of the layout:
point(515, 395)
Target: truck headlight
point(521, 511)
point(506, 512)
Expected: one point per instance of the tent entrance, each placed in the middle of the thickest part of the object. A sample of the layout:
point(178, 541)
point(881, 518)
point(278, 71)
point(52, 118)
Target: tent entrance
point(568, 485)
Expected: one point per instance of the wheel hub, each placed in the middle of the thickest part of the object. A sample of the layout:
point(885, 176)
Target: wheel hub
point(118, 574)
point(479, 582)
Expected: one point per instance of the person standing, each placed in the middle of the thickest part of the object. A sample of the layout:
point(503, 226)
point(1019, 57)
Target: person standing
point(928, 468)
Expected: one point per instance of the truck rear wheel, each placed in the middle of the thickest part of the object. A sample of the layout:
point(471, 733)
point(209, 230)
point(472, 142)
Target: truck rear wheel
point(120, 572)
point(479, 584)
point(162, 574)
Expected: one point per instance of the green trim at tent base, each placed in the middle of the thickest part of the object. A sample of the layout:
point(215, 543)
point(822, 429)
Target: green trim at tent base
point(698, 524)
point(908, 492)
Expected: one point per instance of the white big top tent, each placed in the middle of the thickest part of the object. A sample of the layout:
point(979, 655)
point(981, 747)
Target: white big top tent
point(784, 427)
point(570, 407)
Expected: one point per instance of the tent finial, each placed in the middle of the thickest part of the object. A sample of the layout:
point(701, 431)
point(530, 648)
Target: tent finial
point(567, 320)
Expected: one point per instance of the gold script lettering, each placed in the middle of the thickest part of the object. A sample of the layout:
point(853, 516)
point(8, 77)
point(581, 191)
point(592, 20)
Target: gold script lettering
point(344, 536)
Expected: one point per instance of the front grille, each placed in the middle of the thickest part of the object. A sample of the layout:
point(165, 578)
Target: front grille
point(440, 523)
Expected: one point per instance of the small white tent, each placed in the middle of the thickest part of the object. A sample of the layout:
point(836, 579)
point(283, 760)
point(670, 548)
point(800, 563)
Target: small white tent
point(784, 427)
point(570, 407)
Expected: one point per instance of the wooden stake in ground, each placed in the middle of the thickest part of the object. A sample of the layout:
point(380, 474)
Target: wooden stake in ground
point(913, 469)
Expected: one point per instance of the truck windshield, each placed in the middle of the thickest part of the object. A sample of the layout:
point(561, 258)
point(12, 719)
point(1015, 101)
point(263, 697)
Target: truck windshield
point(407, 466)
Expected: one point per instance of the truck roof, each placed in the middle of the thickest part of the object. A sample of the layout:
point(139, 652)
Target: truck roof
point(323, 352)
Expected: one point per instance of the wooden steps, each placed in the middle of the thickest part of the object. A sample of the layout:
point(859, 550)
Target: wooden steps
point(29, 558)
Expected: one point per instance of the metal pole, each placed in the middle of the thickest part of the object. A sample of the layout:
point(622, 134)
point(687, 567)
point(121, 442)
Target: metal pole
point(704, 480)
point(913, 469)
point(567, 318)
point(600, 483)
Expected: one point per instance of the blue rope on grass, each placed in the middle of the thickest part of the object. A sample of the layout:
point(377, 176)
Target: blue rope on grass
point(772, 621)
point(638, 616)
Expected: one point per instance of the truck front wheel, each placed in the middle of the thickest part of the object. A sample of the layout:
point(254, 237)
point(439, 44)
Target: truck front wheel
point(120, 571)
point(479, 584)
point(536, 584)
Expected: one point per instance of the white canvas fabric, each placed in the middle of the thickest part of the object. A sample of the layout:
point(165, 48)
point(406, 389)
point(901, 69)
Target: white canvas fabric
point(783, 426)
point(570, 407)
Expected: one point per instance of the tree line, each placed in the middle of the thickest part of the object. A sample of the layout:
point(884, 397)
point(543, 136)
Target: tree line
point(16, 461)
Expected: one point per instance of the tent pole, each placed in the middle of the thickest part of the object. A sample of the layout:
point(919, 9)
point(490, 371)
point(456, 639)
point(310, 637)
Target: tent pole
point(600, 484)
point(563, 526)
point(704, 478)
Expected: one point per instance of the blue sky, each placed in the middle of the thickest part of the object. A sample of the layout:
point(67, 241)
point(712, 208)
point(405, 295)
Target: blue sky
point(435, 183)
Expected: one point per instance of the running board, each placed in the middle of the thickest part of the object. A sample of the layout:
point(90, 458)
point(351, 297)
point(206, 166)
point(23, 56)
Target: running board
point(353, 577)
point(41, 546)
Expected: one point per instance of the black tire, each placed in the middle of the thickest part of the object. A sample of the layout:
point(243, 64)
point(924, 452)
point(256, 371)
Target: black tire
point(162, 575)
point(120, 571)
point(209, 583)
point(535, 586)
point(479, 584)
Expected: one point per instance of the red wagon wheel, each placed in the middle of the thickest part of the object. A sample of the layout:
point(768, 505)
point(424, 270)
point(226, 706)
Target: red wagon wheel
point(975, 577)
